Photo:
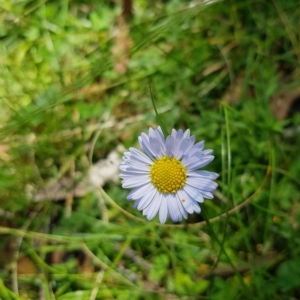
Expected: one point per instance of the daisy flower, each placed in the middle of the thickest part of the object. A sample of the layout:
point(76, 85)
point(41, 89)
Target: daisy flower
point(165, 178)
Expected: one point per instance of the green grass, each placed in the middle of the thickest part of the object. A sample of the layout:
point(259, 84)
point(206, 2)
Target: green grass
point(64, 104)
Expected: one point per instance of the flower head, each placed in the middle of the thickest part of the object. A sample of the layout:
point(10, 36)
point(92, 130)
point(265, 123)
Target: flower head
point(165, 178)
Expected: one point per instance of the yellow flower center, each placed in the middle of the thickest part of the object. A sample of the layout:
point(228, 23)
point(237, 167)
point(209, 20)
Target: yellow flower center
point(168, 174)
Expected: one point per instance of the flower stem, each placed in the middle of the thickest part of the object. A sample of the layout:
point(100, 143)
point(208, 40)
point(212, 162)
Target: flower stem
point(159, 120)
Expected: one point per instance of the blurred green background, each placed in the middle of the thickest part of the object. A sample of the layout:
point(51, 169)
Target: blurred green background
point(74, 90)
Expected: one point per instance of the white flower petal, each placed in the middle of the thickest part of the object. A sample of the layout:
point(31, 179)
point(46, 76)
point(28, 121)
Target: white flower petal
point(184, 146)
point(195, 164)
point(148, 199)
point(133, 182)
point(203, 174)
point(160, 130)
point(154, 206)
point(161, 138)
point(197, 208)
point(140, 191)
point(155, 146)
point(173, 209)
point(177, 142)
point(195, 194)
point(206, 194)
point(195, 148)
point(174, 133)
point(199, 146)
point(127, 174)
point(190, 145)
point(163, 211)
point(126, 165)
point(207, 152)
point(201, 183)
point(136, 203)
point(186, 134)
point(142, 156)
point(144, 143)
point(180, 207)
point(192, 160)
point(157, 142)
point(169, 146)
point(137, 172)
point(186, 200)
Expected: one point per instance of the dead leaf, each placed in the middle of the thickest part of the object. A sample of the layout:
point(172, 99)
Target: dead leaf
point(57, 257)
point(234, 93)
point(26, 266)
point(213, 68)
point(281, 104)
point(86, 266)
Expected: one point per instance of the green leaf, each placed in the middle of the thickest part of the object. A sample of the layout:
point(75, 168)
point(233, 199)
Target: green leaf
point(185, 284)
point(160, 267)
point(288, 275)
point(78, 295)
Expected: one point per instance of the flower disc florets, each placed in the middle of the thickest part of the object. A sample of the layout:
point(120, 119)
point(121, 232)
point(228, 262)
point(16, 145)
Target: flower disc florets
point(168, 174)
point(165, 178)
